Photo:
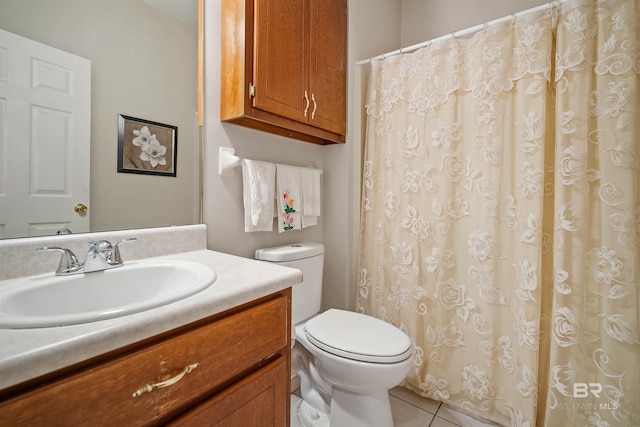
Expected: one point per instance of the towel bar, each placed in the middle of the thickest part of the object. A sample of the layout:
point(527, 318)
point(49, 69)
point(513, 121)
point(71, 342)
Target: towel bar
point(228, 162)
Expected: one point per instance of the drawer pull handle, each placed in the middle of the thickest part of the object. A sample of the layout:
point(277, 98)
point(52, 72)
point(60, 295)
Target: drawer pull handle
point(171, 381)
point(315, 106)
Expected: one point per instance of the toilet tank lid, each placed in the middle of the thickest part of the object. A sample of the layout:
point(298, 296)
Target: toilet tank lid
point(291, 252)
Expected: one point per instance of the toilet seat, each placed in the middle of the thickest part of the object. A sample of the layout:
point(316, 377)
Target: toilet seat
point(358, 337)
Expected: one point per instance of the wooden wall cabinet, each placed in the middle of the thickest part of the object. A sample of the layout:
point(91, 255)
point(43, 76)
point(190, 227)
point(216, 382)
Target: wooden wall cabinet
point(283, 67)
point(242, 377)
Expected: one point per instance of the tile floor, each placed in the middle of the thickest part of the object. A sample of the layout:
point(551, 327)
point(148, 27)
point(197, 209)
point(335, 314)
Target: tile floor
point(411, 410)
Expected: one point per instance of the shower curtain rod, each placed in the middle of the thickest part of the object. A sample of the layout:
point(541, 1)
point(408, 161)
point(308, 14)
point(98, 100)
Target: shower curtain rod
point(551, 6)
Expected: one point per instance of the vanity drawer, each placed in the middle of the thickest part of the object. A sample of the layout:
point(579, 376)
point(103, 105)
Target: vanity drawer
point(103, 395)
point(258, 400)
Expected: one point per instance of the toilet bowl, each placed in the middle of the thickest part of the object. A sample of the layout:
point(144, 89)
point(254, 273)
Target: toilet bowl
point(359, 358)
point(346, 361)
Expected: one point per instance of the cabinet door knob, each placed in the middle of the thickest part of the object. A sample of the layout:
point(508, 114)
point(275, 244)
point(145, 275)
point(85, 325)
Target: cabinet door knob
point(315, 105)
point(306, 99)
point(171, 381)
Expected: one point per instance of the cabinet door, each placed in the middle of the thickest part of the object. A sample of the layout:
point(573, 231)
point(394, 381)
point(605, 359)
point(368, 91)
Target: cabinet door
point(259, 400)
point(281, 60)
point(272, 45)
point(327, 72)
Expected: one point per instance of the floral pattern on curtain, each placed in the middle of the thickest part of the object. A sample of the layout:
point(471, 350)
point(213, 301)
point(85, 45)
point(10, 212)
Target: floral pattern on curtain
point(595, 307)
point(500, 215)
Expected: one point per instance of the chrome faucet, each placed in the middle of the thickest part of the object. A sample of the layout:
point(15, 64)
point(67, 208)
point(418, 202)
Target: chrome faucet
point(69, 263)
point(102, 255)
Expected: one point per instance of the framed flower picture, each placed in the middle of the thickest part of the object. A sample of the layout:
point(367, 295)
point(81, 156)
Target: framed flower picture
point(146, 147)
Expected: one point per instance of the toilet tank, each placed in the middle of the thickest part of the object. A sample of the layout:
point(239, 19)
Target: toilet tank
point(308, 258)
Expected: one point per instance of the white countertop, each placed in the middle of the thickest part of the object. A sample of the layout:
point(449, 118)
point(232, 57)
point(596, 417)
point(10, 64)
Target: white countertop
point(29, 353)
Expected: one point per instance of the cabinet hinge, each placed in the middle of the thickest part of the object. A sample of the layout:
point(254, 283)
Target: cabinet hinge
point(252, 90)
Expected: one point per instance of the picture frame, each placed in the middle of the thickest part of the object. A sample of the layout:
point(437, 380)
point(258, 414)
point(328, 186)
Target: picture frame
point(146, 147)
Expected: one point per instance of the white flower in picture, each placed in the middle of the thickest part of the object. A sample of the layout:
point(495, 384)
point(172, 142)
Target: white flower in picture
point(153, 153)
point(150, 148)
point(143, 137)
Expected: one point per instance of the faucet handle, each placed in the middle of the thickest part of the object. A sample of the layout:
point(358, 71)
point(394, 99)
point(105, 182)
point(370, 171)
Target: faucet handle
point(115, 257)
point(99, 246)
point(68, 261)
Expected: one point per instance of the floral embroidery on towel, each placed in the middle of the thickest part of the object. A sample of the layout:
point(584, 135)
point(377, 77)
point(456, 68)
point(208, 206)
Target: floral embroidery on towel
point(288, 209)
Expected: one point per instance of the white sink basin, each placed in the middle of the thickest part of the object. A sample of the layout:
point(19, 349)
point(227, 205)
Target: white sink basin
point(49, 300)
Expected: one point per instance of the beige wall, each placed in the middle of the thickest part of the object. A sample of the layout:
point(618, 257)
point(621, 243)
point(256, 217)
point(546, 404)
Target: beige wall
point(375, 27)
point(427, 19)
point(143, 64)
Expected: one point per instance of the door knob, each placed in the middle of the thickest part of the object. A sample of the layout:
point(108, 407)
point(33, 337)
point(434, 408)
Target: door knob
point(80, 208)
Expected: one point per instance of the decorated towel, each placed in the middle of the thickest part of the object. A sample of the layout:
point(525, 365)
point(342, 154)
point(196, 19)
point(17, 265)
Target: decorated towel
point(288, 193)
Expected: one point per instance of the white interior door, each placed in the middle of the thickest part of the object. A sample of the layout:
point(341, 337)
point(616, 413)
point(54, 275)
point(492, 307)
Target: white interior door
point(45, 130)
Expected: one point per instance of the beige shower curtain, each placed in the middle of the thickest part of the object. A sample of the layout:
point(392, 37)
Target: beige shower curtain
point(500, 216)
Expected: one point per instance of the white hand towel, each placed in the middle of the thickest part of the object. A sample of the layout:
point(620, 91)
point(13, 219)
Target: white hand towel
point(258, 188)
point(311, 196)
point(289, 206)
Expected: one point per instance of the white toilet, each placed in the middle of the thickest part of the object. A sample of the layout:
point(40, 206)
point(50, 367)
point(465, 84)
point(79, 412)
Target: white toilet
point(346, 361)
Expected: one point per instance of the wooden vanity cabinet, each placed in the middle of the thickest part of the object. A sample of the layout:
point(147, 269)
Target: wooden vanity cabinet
point(283, 67)
point(242, 377)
